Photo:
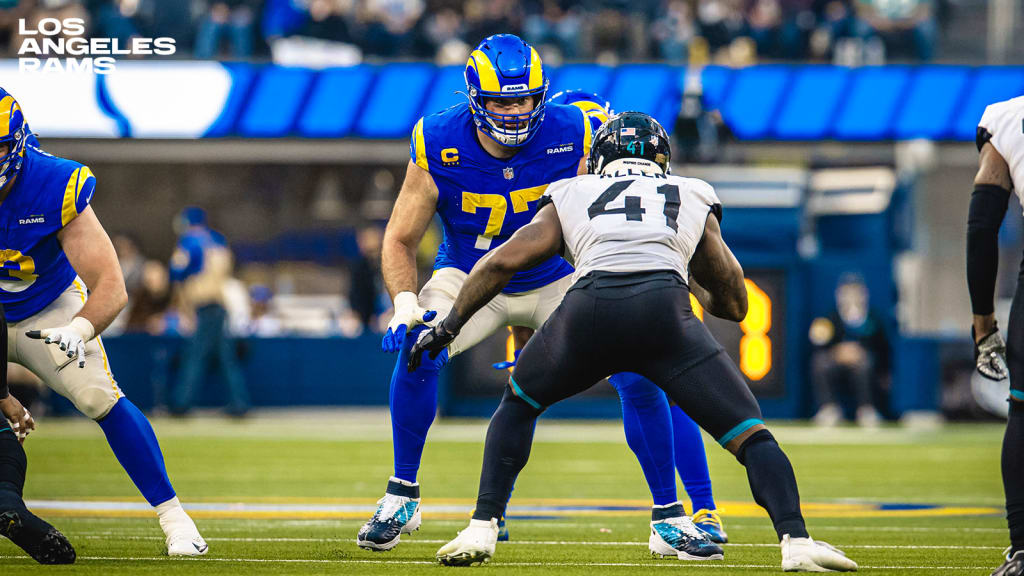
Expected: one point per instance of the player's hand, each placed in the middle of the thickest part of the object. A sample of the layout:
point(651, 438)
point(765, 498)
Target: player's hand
point(21, 421)
point(70, 338)
point(408, 314)
point(507, 364)
point(990, 356)
point(432, 342)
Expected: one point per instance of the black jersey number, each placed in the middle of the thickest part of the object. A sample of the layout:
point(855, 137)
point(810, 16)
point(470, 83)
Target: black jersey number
point(633, 209)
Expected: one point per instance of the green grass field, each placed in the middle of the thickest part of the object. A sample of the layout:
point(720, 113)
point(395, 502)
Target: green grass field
point(286, 493)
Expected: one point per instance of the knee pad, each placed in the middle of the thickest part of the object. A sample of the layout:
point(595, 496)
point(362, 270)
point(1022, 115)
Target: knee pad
point(755, 438)
point(95, 402)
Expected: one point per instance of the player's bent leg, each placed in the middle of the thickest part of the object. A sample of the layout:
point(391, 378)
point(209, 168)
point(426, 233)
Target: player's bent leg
point(94, 391)
point(413, 404)
point(1012, 458)
point(134, 443)
point(539, 380)
point(714, 394)
point(44, 543)
point(1012, 462)
point(506, 451)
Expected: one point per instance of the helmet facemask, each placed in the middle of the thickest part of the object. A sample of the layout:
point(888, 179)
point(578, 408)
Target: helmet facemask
point(512, 130)
point(10, 163)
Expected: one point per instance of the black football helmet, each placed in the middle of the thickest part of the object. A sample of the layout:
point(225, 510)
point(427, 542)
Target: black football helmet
point(630, 135)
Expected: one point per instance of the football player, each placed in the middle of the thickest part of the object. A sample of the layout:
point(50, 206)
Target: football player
point(635, 234)
point(1001, 146)
point(482, 166)
point(35, 536)
point(53, 251)
point(653, 427)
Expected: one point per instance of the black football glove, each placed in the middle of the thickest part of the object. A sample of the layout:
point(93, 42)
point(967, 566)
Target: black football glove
point(432, 342)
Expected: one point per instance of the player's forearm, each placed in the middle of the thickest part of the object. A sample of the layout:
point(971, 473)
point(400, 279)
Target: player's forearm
point(987, 209)
point(398, 266)
point(107, 298)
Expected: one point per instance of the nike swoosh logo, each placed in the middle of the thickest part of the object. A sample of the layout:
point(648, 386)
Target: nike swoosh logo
point(200, 548)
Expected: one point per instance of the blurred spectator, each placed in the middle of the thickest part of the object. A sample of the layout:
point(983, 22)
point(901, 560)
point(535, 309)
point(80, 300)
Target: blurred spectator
point(33, 11)
point(835, 19)
point(282, 18)
point(131, 260)
point(764, 22)
point(557, 23)
point(720, 22)
point(388, 25)
point(115, 19)
point(487, 17)
point(610, 36)
point(200, 268)
point(907, 27)
point(148, 303)
point(365, 282)
point(230, 18)
point(262, 322)
point(11, 11)
point(329, 20)
point(850, 351)
point(674, 32)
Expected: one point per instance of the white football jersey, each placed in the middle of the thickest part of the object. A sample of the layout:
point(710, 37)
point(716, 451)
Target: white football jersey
point(1004, 122)
point(631, 221)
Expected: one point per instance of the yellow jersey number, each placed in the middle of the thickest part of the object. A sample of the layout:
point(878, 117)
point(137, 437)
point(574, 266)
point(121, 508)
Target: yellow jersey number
point(20, 270)
point(498, 206)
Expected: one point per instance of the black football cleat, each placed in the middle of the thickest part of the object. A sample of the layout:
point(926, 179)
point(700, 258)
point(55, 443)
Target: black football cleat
point(1014, 565)
point(44, 543)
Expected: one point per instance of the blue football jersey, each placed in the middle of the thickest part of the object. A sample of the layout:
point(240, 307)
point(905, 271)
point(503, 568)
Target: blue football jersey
point(48, 194)
point(483, 200)
point(190, 253)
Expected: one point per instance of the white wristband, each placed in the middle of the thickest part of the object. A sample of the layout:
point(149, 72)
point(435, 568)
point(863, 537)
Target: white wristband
point(83, 327)
point(406, 300)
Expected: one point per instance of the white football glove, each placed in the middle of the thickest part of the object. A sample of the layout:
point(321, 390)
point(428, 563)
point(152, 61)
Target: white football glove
point(70, 338)
point(991, 356)
point(408, 315)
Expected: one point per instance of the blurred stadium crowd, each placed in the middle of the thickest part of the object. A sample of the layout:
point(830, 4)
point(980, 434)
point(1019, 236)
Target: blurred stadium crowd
point(346, 31)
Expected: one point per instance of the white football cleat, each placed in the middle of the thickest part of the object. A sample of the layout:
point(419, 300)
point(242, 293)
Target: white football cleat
point(187, 546)
point(181, 535)
point(474, 545)
point(806, 555)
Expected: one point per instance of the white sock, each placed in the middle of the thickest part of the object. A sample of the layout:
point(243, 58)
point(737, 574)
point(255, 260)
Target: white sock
point(169, 507)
